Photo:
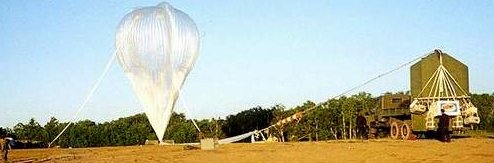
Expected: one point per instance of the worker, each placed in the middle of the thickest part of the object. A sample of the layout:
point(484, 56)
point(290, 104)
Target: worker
point(361, 126)
point(5, 147)
point(443, 127)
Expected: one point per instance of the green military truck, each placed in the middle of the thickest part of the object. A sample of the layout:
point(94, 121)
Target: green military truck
point(438, 81)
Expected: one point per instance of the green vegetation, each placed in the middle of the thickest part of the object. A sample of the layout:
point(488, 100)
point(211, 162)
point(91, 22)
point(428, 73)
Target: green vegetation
point(334, 119)
point(485, 105)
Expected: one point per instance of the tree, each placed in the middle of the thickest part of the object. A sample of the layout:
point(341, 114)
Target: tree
point(212, 128)
point(180, 129)
point(32, 131)
point(248, 120)
point(302, 129)
point(7, 131)
point(52, 129)
point(485, 105)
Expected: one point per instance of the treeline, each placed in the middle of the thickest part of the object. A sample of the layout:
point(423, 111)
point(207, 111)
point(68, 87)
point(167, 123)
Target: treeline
point(334, 119)
point(131, 130)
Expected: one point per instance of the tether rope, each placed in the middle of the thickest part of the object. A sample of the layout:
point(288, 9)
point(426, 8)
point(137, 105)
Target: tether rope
point(89, 96)
point(184, 104)
point(358, 86)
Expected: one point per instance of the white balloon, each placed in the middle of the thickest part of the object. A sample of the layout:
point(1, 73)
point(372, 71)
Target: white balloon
point(157, 48)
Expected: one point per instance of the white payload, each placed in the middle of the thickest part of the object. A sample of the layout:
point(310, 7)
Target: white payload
point(451, 108)
point(471, 115)
point(157, 47)
point(417, 108)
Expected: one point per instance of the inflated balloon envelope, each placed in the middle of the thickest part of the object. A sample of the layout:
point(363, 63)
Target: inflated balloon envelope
point(157, 47)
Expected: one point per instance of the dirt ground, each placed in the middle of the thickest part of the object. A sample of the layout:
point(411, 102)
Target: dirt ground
point(460, 150)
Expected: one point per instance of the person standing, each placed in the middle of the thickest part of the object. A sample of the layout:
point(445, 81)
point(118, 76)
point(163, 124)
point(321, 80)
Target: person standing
point(443, 127)
point(5, 147)
point(361, 126)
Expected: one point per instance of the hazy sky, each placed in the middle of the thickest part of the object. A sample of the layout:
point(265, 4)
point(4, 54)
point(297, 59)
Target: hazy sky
point(252, 52)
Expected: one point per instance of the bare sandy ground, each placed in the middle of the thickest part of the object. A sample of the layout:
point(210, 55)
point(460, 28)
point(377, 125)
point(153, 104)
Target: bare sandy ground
point(460, 150)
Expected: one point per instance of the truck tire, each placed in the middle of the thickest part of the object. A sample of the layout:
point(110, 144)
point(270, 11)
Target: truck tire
point(406, 131)
point(394, 131)
point(372, 133)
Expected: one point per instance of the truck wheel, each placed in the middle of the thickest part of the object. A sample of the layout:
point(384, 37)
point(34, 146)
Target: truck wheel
point(372, 133)
point(406, 131)
point(395, 130)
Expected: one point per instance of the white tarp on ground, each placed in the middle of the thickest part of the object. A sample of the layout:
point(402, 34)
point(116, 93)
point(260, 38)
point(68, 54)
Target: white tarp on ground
point(235, 138)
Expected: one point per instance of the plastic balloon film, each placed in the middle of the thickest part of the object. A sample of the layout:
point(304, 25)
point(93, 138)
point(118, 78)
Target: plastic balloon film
point(157, 48)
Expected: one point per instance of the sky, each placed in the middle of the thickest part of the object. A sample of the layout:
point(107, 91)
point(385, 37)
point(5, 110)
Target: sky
point(252, 53)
